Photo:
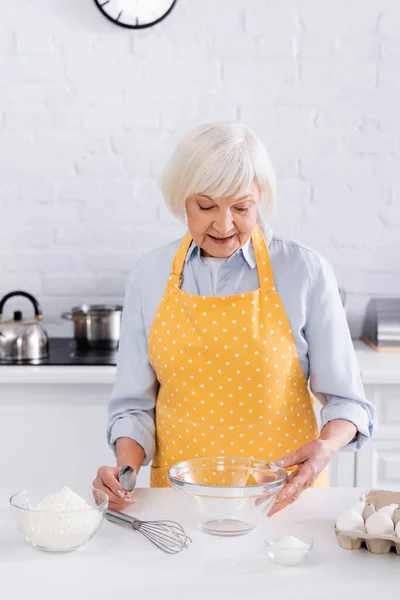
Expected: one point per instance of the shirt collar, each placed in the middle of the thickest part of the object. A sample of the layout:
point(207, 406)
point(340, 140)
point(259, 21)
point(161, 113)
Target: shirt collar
point(247, 251)
point(194, 250)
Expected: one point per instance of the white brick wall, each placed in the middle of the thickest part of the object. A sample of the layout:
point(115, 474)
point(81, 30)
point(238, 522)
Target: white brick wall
point(89, 113)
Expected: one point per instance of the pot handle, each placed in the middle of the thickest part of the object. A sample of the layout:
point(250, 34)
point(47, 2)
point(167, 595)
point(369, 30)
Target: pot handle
point(67, 316)
point(36, 305)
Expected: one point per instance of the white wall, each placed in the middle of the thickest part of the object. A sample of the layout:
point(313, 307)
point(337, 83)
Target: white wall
point(89, 113)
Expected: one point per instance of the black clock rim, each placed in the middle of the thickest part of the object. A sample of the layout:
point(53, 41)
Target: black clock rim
point(97, 3)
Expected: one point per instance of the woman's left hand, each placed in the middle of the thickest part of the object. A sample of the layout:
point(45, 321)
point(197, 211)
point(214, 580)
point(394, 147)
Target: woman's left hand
point(310, 459)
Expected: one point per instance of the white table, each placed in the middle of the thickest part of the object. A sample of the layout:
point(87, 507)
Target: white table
point(120, 564)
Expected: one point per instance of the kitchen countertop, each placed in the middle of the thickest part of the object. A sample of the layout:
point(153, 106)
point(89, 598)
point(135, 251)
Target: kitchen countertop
point(376, 368)
point(119, 563)
point(57, 375)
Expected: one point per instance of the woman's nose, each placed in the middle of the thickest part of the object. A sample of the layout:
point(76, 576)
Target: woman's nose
point(224, 223)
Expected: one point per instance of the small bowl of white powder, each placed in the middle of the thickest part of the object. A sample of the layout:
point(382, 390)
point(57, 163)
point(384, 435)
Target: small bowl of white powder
point(289, 550)
point(59, 520)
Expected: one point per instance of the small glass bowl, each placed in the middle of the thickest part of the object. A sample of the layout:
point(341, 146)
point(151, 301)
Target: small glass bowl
point(228, 495)
point(62, 531)
point(286, 554)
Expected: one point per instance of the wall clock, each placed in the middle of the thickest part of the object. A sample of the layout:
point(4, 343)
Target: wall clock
point(135, 14)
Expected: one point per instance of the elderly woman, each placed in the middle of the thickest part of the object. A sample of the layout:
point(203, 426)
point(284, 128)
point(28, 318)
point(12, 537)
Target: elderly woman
point(224, 329)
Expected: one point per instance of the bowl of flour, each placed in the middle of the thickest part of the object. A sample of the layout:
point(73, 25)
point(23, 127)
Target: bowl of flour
point(59, 519)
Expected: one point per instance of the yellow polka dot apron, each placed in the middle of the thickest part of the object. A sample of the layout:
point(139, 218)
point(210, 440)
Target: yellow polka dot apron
point(230, 380)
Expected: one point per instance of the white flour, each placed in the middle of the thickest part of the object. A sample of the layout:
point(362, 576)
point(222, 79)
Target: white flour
point(60, 521)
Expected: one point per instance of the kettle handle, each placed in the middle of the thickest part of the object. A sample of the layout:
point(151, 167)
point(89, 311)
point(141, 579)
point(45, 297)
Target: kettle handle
point(36, 305)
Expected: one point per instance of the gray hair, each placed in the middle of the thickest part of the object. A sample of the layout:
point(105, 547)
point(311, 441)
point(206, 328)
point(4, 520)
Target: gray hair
point(218, 160)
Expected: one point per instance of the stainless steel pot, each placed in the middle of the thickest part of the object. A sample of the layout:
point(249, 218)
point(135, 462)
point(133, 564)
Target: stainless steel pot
point(96, 326)
point(22, 341)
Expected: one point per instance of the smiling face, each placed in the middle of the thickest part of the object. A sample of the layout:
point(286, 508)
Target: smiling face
point(220, 226)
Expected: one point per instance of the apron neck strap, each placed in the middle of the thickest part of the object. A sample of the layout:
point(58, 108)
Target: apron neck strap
point(261, 253)
point(179, 261)
point(264, 268)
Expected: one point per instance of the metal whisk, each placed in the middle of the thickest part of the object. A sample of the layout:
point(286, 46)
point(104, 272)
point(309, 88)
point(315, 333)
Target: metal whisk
point(169, 536)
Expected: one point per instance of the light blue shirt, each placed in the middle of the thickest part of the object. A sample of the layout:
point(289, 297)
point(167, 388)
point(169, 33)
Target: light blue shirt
point(309, 293)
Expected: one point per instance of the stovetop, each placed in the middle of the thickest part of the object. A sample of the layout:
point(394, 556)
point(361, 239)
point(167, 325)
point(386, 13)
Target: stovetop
point(63, 351)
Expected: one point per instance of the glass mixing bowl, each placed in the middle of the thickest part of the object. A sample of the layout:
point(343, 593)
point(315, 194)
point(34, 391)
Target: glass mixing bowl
point(229, 495)
point(60, 531)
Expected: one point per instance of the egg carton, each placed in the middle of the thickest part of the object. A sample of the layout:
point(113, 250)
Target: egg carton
point(354, 540)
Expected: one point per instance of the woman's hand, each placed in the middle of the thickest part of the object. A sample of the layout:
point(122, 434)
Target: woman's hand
point(310, 460)
point(107, 481)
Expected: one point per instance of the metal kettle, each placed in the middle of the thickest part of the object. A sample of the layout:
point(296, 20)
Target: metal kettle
point(22, 341)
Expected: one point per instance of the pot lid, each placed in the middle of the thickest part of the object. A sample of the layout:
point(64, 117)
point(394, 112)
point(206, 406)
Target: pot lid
point(97, 308)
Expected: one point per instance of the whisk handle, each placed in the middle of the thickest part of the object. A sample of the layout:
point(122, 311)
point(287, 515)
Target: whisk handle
point(117, 517)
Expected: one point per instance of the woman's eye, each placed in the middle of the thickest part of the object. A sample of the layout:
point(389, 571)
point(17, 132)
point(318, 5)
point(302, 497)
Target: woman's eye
point(205, 207)
point(242, 210)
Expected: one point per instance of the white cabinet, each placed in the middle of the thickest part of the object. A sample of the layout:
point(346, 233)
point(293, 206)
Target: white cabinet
point(377, 465)
point(386, 399)
point(53, 425)
point(51, 433)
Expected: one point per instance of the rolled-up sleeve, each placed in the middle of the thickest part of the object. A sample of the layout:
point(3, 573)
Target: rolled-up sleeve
point(131, 409)
point(334, 373)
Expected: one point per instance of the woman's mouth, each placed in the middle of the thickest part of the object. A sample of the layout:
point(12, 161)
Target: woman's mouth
point(221, 241)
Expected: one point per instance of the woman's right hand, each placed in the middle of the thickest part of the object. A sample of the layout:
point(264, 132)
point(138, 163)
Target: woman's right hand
point(108, 482)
